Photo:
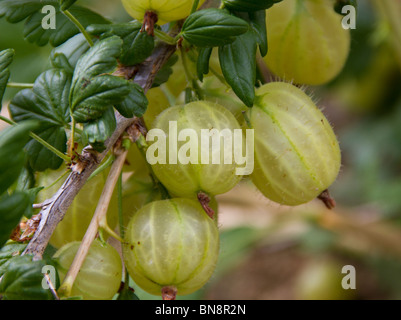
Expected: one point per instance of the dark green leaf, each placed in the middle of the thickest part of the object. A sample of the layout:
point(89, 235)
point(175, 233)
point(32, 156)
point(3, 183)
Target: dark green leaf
point(9, 251)
point(47, 102)
point(238, 63)
point(12, 208)
point(165, 72)
point(18, 10)
point(98, 131)
point(339, 4)
point(40, 158)
point(202, 66)
point(23, 280)
point(135, 104)
point(65, 4)
point(6, 57)
point(12, 156)
point(127, 294)
point(137, 45)
point(97, 95)
point(257, 21)
point(93, 90)
point(249, 5)
point(212, 27)
point(72, 49)
point(26, 179)
point(60, 61)
point(32, 194)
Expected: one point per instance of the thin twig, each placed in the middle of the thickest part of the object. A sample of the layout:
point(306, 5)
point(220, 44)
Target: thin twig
point(98, 216)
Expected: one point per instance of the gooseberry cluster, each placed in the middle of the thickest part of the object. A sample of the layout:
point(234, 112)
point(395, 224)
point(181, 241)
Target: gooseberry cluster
point(201, 140)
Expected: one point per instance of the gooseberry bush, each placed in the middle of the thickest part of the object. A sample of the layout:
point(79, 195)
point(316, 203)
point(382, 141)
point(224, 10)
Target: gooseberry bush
point(136, 126)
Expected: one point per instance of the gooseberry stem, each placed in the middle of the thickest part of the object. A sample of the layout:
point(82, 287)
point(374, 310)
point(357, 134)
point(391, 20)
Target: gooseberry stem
point(165, 37)
point(79, 26)
point(194, 6)
point(193, 83)
point(41, 141)
point(120, 204)
point(102, 167)
point(98, 216)
point(20, 85)
point(72, 138)
point(57, 180)
point(50, 147)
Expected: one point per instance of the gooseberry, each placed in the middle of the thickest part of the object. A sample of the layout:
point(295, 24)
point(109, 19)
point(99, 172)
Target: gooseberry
point(201, 173)
point(100, 275)
point(307, 43)
point(297, 155)
point(166, 10)
point(171, 244)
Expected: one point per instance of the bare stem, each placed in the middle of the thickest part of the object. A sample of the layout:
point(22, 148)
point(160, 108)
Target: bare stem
point(99, 215)
point(19, 85)
point(79, 26)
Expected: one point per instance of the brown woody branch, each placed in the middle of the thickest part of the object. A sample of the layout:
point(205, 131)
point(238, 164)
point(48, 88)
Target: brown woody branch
point(54, 209)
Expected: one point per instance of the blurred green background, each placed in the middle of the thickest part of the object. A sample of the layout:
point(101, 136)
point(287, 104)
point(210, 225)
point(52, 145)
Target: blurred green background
point(274, 252)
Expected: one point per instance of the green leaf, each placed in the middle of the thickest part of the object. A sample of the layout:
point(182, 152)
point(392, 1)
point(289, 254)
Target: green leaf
point(41, 158)
point(72, 49)
point(60, 61)
point(127, 294)
point(137, 45)
point(47, 102)
point(165, 72)
point(135, 104)
point(12, 208)
point(65, 4)
point(6, 57)
point(93, 90)
point(26, 179)
point(18, 10)
point(212, 28)
point(97, 95)
point(23, 280)
point(257, 20)
point(8, 252)
point(12, 155)
point(249, 5)
point(238, 63)
point(202, 66)
point(98, 131)
point(339, 4)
